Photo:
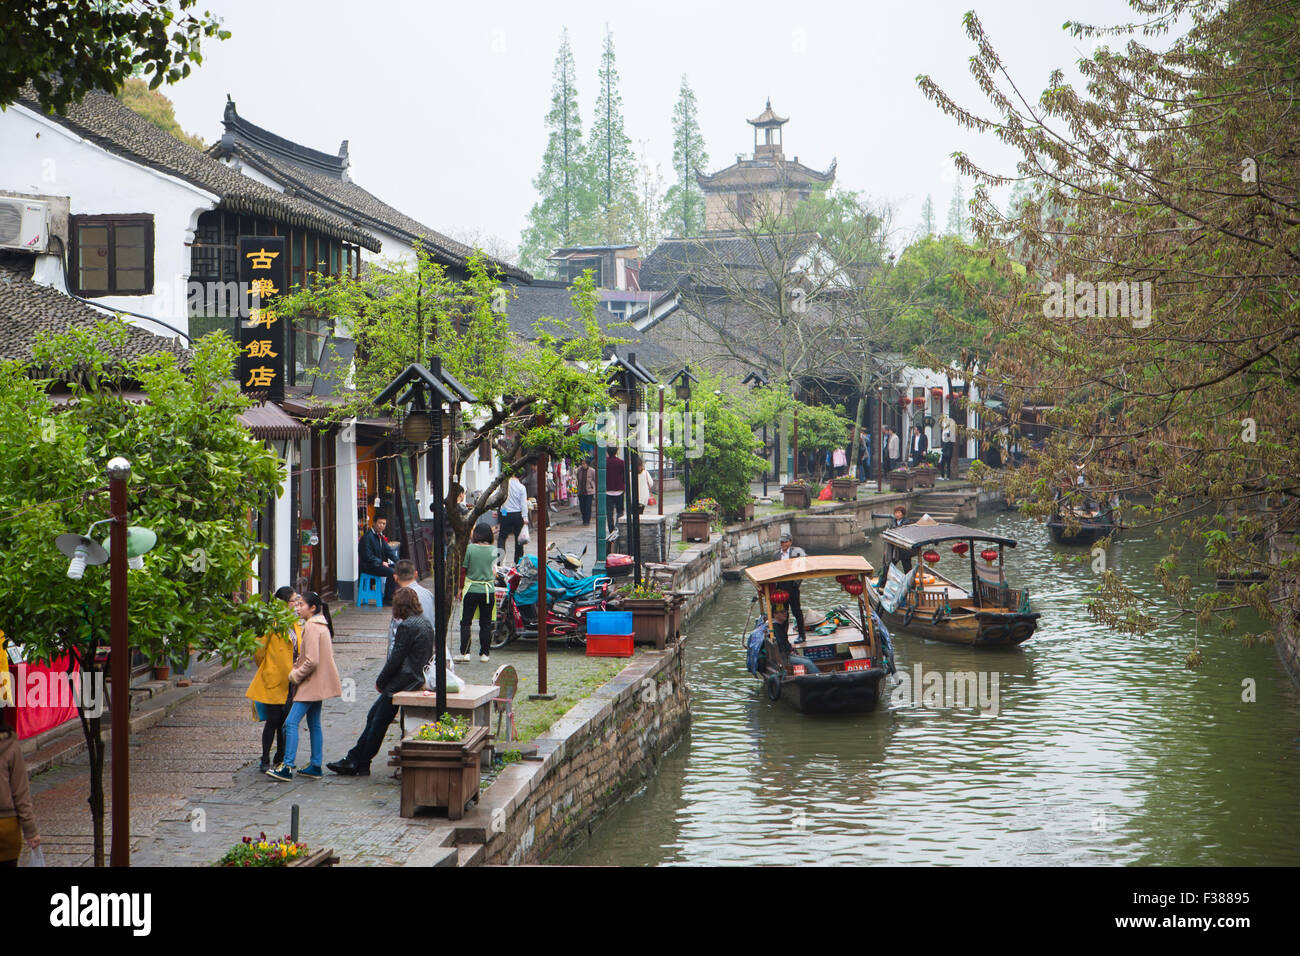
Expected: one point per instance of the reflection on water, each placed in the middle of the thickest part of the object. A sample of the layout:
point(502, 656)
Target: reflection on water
point(1105, 749)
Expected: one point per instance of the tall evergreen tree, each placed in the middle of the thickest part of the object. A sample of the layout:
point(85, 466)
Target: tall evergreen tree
point(611, 167)
point(684, 204)
point(927, 216)
point(957, 213)
point(564, 201)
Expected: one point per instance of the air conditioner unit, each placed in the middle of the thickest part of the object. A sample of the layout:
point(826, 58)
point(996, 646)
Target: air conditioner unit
point(24, 224)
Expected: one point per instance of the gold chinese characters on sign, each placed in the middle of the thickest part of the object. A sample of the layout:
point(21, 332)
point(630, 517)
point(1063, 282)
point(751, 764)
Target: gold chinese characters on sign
point(262, 334)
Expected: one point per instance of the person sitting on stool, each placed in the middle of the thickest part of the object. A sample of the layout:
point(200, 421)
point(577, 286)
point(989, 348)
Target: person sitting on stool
point(376, 558)
point(781, 625)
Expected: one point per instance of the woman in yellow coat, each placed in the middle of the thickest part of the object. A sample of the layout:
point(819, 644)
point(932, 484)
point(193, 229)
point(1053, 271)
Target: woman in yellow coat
point(270, 691)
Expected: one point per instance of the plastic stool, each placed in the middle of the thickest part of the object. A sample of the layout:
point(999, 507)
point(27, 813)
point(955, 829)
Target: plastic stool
point(370, 588)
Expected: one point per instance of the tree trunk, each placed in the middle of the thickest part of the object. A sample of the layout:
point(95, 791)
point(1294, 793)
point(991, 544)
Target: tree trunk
point(91, 727)
point(855, 453)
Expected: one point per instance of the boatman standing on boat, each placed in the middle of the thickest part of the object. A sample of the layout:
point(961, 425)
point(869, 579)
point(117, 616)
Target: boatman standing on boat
point(785, 552)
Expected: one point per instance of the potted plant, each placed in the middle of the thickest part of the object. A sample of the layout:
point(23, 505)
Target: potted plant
point(844, 489)
point(924, 473)
point(263, 852)
point(696, 517)
point(440, 765)
point(651, 613)
point(901, 479)
point(797, 494)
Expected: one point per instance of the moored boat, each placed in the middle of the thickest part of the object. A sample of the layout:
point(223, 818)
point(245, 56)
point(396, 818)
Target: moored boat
point(923, 601)
point(840, 663)
point(1081, 523)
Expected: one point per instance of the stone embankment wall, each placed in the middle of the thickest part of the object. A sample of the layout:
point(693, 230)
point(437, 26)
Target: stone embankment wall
point(600, 752)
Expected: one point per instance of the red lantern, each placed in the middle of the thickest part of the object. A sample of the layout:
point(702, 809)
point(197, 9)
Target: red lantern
point(936, 391)
point(778, 596)
point(931, 557)
point(843, 579)
point(989, 554)
point(854, 588)
point(904, 401)
point(960, 547)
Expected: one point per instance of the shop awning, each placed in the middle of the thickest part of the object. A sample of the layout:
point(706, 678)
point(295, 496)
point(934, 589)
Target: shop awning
point(270, 422)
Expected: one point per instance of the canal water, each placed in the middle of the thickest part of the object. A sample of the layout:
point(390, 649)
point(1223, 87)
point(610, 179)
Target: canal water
point(1097, 748)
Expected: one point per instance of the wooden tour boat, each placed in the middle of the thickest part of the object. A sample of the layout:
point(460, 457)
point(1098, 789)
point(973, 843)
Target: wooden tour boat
point(841, 663)
point(985, 613)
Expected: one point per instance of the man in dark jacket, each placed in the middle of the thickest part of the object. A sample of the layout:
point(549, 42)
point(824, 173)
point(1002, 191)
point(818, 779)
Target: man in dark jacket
point(920, 445)
point(404, 670)
point(376, 557)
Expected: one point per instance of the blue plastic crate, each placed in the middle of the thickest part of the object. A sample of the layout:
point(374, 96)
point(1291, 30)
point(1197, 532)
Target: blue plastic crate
point(819, 653)
point(609, 622)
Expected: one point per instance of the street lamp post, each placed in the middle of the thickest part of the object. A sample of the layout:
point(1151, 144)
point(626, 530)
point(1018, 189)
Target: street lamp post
point(758, 380)
point(431, 392)
point(119, 471)
point(682, 383)
point(660, 467)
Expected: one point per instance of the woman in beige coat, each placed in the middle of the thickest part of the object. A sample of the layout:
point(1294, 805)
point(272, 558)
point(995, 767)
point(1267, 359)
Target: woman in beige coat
point(17, 821)
point(316, 679)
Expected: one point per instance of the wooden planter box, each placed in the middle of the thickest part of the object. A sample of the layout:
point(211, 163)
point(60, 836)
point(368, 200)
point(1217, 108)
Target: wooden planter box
point(923, 476)
point(844, 489)
point(695, 525)
point(438, 773)
point(651, 620)
point(900, 479)
point(797, 496)
point(746, 513)
point(317, 858)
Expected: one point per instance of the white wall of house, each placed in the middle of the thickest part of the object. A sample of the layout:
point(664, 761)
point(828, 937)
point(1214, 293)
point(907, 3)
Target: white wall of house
point(345, 512)
point(40, 156)
point(284, 522)
point(911, 377)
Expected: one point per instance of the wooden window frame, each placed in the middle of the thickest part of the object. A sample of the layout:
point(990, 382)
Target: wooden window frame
point(110, 222)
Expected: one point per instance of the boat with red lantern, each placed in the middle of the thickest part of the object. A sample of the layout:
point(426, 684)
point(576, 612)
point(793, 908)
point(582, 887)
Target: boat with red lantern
point(987, 612)
point(845, 654)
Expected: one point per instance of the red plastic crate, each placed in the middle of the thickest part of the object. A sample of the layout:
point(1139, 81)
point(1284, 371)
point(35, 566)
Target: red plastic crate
point(610, 645)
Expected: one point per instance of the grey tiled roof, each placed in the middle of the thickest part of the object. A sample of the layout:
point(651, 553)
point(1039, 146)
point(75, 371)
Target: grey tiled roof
point(27, 309)
point(748, 174)
point(106, 122)
point(322, 179)
point(698, 261)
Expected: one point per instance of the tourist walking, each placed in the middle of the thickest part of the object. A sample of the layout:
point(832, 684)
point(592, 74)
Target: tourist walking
point(864, 455)
point(512, 516)
point(316, 679)
point(270, 690)
point(17, 817)
point(479, 596)
point(919, 445)
point(948, 435)
point(644, 489)
point(615, 487)
point(403, 670)
point(586, 489)
point(892, 449)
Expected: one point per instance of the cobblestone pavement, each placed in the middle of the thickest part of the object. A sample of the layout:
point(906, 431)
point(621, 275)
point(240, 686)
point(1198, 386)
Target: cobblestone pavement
point(195, 785)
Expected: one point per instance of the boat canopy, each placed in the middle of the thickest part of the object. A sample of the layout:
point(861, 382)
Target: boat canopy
point(819, 566)
point(912, 536)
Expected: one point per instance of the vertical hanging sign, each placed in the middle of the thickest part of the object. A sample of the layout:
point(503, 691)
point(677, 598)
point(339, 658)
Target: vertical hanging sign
point(263, 274)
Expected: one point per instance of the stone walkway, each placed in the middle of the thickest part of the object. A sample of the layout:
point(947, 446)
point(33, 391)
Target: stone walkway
point(195, 785)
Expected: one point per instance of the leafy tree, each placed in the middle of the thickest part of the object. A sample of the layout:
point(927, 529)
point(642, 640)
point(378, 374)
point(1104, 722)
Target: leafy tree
point(157, 109)
point(528, 386)
point(684, 203)
point(648, 215)
point(957, 213)
point(731, 458)
point(65, 50)
point(611, 167)
point(196, 478)
point(564, 204)
point(1172, 173)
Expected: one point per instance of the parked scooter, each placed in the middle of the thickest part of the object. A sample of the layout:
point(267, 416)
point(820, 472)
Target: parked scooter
point(566, 611)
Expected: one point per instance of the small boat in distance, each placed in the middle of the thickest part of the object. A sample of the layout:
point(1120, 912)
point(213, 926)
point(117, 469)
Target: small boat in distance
point(839, 666)
point(1084, 522)
point(985, 613)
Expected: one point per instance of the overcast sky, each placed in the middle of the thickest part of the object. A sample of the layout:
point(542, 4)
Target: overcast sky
point(444, 105)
